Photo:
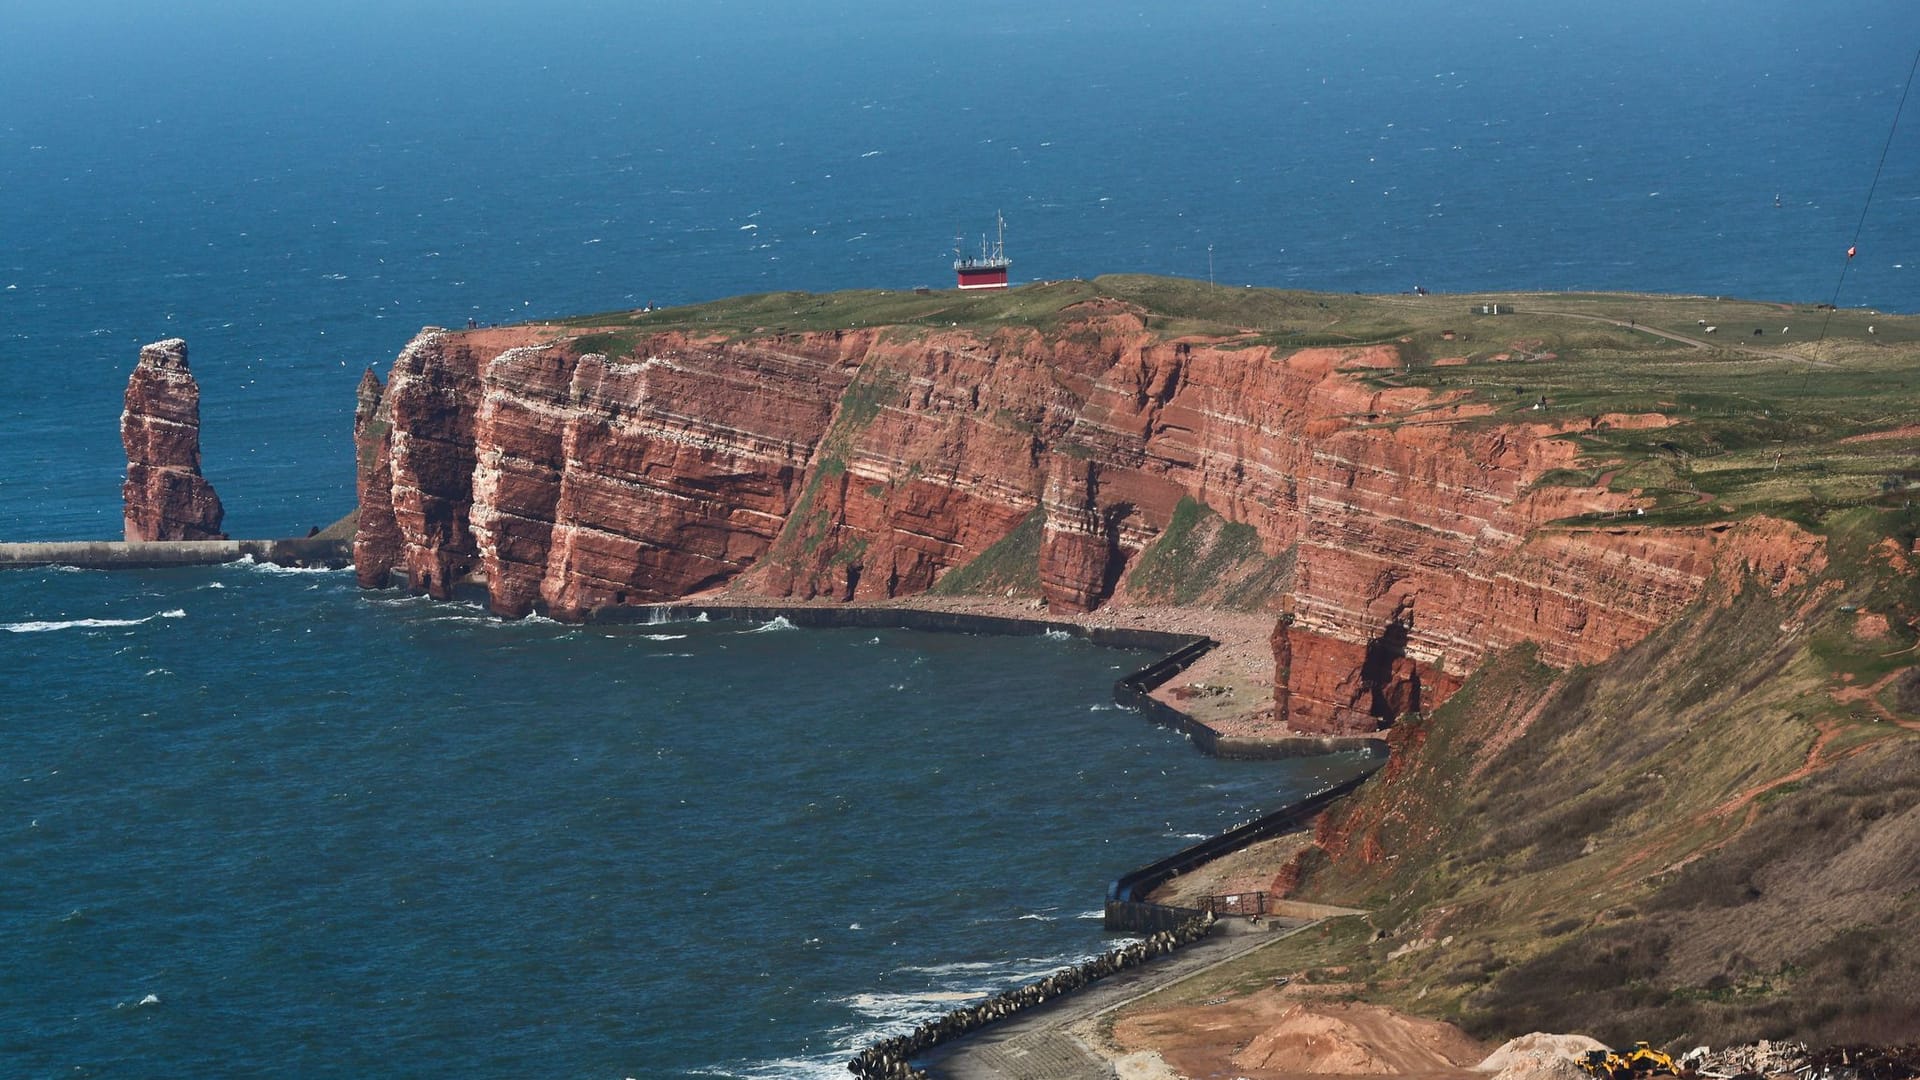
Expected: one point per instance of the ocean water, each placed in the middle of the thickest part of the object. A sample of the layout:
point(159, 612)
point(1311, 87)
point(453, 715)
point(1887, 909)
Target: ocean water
point(297, 191)
point(333, 833)
point(260, 823)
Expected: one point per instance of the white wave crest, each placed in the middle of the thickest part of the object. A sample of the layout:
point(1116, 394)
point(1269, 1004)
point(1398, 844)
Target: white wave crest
point(1057, 635)
point(828, 1066)
point(958, 967)
point(397, 601)
point(914, 1006)
point(256, 566)
point(662, 614)
point(779, 623)
point(663, 637)
point(41, 627)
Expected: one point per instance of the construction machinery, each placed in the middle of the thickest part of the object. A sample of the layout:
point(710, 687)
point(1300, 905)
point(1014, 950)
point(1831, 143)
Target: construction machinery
point(1640, 1062)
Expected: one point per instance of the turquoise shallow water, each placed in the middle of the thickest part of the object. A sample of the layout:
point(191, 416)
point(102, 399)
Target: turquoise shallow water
point(260, 822)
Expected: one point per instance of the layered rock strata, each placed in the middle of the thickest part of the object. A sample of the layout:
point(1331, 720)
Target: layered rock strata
point(165, 496)
point(866, 464)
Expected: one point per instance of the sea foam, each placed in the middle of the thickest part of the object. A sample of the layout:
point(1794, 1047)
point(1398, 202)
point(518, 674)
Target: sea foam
point(41, 627)
point(256, 566)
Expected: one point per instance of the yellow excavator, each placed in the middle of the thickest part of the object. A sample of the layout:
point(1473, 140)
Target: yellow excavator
point(1641, 1061)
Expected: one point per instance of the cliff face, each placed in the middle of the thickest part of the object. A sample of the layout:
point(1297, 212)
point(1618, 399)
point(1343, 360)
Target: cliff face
point(166, 498)
point(866, 464)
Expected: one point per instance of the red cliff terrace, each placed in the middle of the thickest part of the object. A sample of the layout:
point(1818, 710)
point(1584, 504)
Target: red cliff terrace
point(989, 269)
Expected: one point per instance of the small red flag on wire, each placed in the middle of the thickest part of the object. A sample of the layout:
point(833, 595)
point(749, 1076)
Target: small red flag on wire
point(1849, 251)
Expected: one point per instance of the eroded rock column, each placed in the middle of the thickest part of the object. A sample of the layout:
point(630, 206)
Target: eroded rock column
point(166, 497)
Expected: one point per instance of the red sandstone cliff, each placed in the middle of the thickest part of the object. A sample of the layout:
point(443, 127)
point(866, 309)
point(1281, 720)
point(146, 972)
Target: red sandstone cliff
point(166, 497)
point(866, 464)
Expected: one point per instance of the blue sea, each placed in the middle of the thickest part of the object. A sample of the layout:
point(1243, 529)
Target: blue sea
point(259, 821)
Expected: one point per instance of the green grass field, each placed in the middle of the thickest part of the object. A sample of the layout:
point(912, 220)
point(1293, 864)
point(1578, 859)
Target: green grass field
point(1762, 421)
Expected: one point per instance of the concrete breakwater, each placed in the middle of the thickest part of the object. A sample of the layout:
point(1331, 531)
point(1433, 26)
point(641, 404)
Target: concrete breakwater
point(1187, 647)
point(891, 1059)
point(1133, 691)
point(1167, 928)
point(120, 555)
point(1128, 908)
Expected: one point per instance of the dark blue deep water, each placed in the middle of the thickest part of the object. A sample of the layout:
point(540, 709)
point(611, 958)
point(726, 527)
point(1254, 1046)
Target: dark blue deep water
point(342, 834)
point(259, 823)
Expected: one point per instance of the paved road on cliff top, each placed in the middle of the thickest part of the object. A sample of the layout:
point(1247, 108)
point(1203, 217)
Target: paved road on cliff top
point(1036, 1045)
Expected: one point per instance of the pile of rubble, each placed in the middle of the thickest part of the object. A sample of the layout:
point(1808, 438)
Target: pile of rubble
point(1863, 1063)
point(1753, 1059)
point(1552, 1057)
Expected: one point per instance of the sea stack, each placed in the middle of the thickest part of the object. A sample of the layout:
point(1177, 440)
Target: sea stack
point(166, 497)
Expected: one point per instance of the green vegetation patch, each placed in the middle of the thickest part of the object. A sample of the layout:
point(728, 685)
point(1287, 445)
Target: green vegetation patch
point(1202, 557)
point(1760, 423)
point(1012, 563)
point(611, 343)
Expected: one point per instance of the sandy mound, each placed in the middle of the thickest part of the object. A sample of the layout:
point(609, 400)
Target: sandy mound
point(1145, 1065)
point(1275, 1035)
point(1540, 1056)
point(1355, 1039)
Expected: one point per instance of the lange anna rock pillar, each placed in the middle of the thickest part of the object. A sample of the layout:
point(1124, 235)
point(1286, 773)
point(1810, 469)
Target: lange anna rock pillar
point(166, 497)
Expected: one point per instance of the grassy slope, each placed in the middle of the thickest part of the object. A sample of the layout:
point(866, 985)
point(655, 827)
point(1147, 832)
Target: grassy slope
point(1201, 559)
point(1653, 858)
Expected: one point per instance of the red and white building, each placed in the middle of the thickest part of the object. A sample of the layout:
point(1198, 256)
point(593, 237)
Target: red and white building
point(988, 270)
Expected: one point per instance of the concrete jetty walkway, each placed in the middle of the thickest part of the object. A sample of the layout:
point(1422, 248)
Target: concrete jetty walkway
point(119, 555)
